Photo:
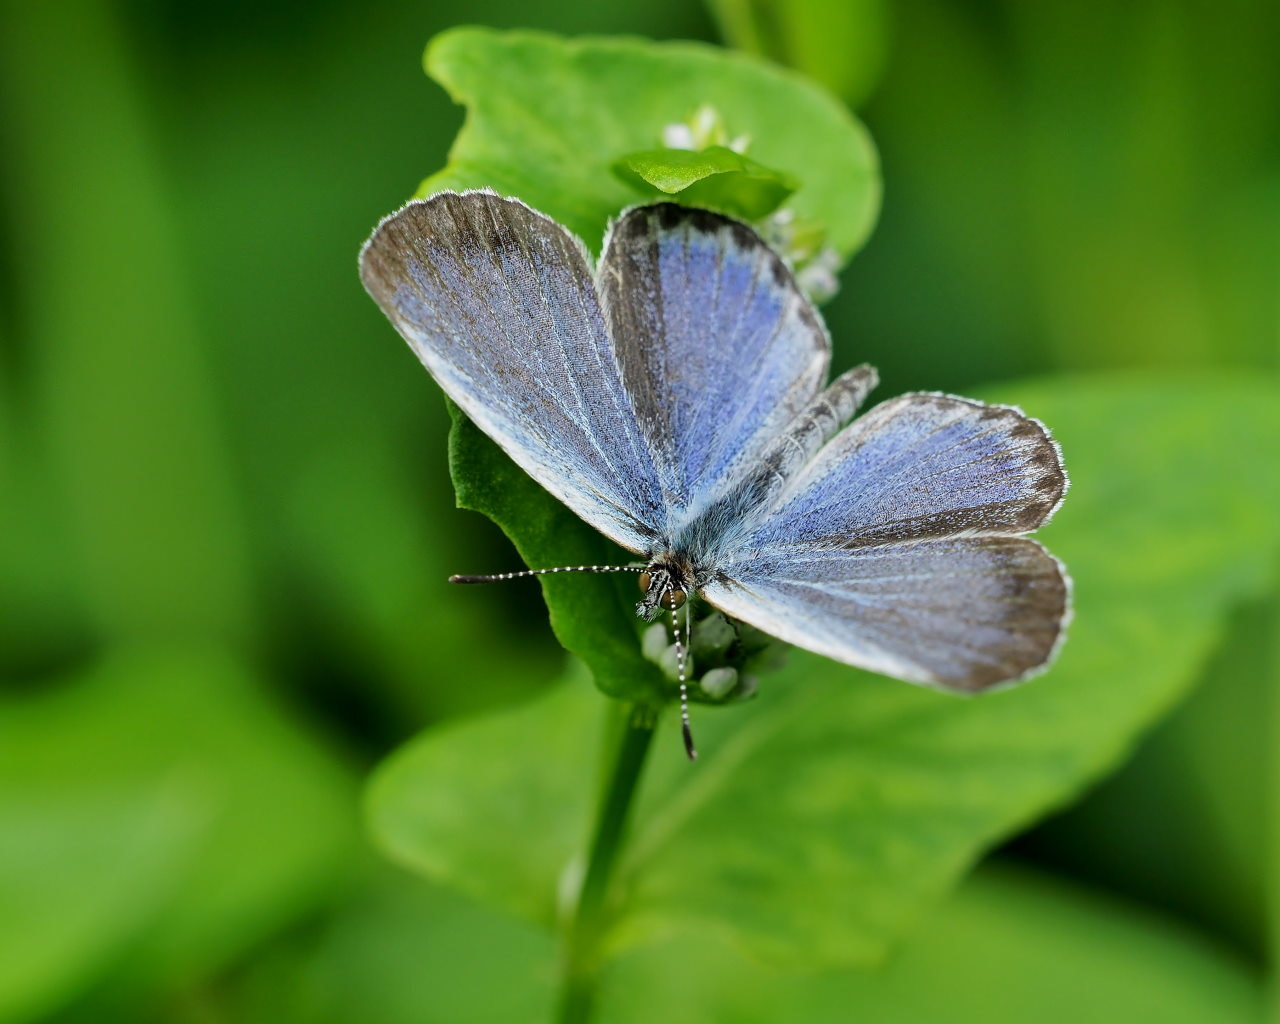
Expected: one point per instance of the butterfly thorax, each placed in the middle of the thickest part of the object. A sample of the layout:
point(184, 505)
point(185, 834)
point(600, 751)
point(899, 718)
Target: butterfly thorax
point(666, 584)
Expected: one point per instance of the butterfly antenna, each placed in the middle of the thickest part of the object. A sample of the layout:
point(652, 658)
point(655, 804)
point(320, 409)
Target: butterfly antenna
point(498, 577)
point(681, 669)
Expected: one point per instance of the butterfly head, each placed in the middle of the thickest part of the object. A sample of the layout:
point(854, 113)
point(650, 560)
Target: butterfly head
point(665, 585)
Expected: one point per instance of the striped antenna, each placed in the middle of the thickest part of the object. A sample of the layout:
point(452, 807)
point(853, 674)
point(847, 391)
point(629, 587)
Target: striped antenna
point(682, 654)
point(499, 577)
point(682, 664)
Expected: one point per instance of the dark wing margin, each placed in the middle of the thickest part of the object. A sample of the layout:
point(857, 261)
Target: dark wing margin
point(719, 348)
point(499, 303)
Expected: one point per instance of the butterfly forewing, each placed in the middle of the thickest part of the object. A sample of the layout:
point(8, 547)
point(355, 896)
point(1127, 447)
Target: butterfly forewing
point(922, 465)
point(719, 349)
point(500, 305)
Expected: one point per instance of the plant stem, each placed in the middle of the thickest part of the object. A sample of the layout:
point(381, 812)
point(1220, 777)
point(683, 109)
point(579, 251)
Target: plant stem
point(591, 916)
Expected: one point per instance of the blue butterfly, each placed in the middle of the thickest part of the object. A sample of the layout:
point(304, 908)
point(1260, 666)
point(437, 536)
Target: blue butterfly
point(674, 398)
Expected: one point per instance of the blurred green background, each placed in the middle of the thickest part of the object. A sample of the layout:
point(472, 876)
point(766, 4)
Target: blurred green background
point(225, 513)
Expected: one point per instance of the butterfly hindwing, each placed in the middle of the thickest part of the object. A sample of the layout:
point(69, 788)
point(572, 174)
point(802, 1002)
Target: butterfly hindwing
point(961, 613)
point(500, 304)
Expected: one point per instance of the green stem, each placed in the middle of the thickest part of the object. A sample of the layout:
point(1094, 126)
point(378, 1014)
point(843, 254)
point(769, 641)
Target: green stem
point(739, 24)
point(591, 916)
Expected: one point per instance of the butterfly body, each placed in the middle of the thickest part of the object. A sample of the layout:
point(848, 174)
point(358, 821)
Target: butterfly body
point(666, 584)
point(675, 398)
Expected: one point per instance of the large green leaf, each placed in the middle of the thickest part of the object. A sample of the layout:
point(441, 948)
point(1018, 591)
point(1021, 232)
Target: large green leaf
point(550, 126)
point(593, 615)
point(1186, 824)
point(1010, 946)
point(826, 813)
point(157, 814)
point(398, 951)
point(437, 805)
point(83, 875)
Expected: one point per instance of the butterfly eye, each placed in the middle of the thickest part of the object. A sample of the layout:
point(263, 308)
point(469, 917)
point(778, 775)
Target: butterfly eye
point(673, 599)
point(645, 580)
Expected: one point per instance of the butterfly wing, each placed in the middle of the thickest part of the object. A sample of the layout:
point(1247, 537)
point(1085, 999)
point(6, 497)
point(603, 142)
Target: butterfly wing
point(896, 549)
point(718, 347)
point(500, 304)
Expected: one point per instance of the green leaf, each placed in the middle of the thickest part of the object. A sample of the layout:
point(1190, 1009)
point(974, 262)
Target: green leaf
point(542, 754)
point(715, 177)
point(593, 615)
point(1211, 862)
point(157, 815)
point(1010, 946)
point(82, 877)
point(551, 126)
point(845, 803)
point(397, 951)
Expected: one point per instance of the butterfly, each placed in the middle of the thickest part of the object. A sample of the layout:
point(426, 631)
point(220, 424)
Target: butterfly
point(675, 397)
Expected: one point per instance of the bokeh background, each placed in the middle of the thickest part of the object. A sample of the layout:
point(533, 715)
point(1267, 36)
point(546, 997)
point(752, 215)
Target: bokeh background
point(225, 513)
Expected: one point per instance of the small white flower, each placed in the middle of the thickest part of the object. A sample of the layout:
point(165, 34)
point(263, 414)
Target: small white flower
point(718, 683)
point(704, 127)
point(678, 136)
point(817, 276)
